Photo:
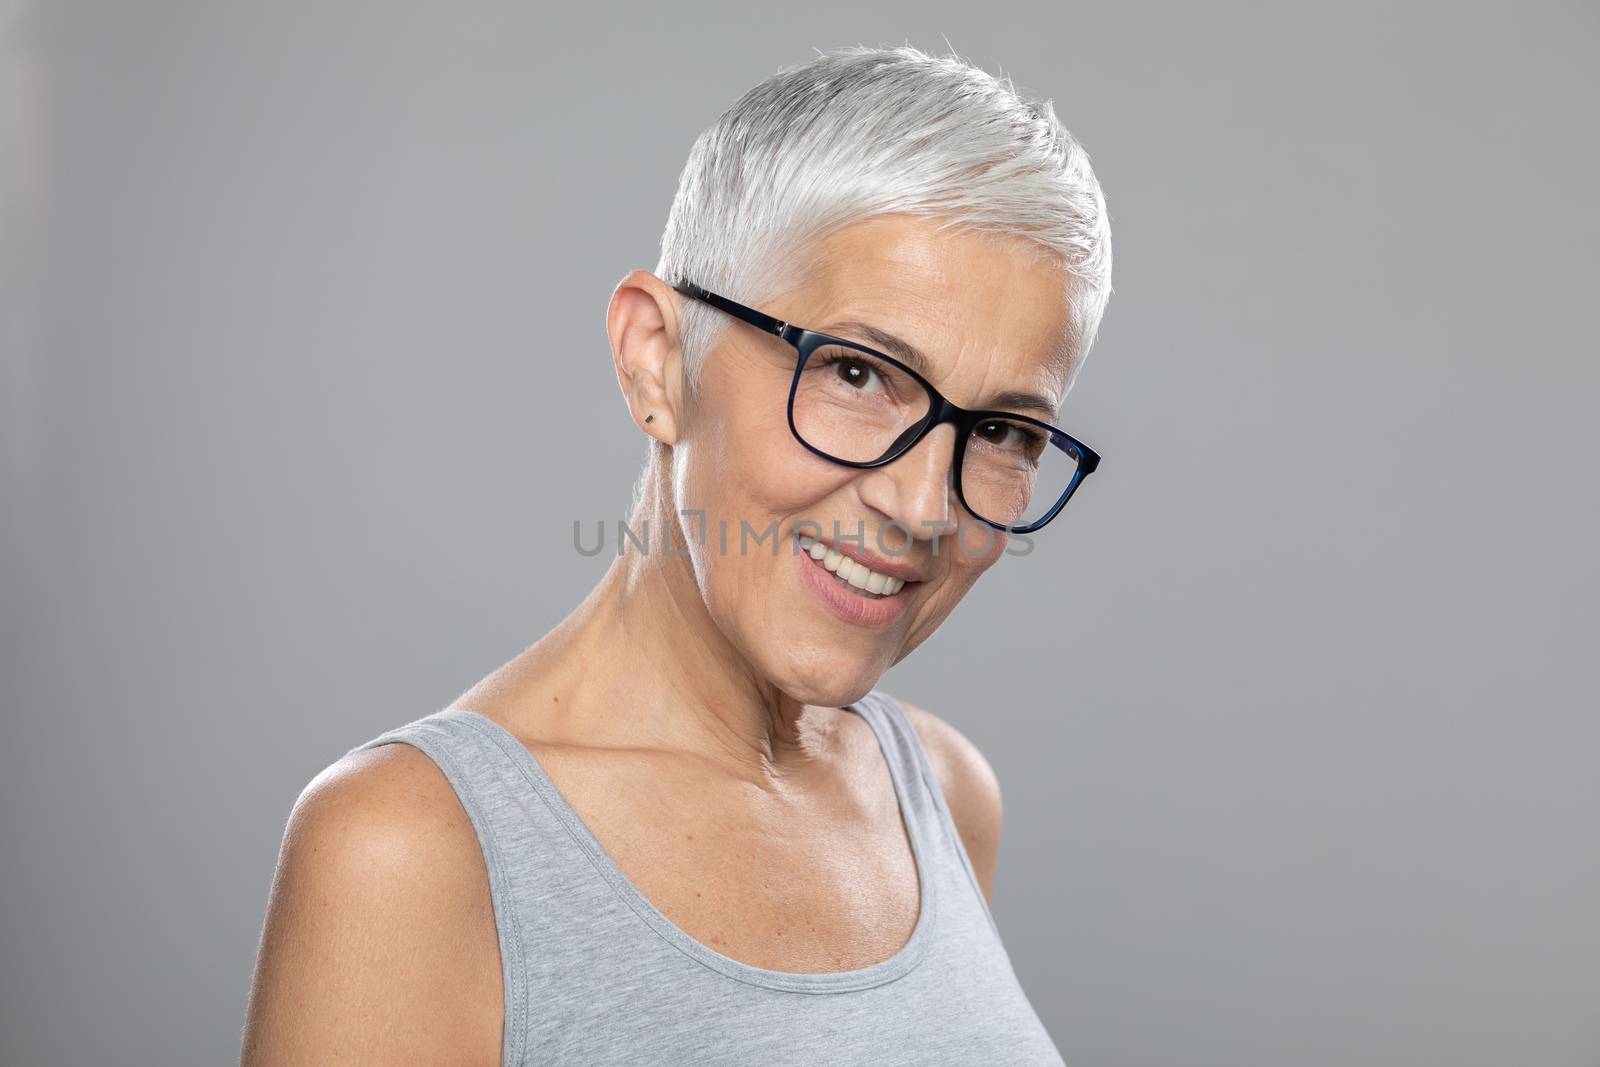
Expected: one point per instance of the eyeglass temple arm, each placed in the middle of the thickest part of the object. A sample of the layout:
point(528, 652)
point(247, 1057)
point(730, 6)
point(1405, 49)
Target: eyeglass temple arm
point(765, 323)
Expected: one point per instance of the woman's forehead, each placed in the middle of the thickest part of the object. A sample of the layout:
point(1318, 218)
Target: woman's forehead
point(957, 292)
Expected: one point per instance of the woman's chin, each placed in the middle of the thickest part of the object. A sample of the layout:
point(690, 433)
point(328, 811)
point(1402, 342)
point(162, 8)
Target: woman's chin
point(820, 670)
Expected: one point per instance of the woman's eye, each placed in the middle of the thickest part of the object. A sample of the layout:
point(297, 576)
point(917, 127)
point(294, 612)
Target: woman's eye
point(997, 433)
point(1009, 437)
point(855, 373)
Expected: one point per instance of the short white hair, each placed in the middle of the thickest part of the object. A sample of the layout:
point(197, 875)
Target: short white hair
point(864, 131)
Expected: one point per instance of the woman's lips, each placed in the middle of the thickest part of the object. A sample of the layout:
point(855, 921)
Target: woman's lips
point(864, 575)
point(848, 602)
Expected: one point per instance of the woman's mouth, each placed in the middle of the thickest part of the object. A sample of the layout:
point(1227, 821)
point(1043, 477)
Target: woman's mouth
point(850, 573)
point(850, 590)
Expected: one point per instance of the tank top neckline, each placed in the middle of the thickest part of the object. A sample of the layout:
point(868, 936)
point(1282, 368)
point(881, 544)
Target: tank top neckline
point(887, 970)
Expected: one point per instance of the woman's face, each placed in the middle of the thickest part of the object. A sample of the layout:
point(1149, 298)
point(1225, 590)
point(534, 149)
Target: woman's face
point(987, 319)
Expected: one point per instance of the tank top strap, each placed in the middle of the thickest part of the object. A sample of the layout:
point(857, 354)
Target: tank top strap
point(932, 807)
point(905, 758)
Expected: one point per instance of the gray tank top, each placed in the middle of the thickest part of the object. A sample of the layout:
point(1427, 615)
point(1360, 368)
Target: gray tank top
point(594, 974)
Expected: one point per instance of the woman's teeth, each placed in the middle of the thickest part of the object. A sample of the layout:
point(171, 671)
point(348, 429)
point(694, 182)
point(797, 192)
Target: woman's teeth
point(858, 575)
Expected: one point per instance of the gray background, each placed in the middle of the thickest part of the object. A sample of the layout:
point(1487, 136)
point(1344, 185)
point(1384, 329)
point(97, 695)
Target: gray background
point(305, 379)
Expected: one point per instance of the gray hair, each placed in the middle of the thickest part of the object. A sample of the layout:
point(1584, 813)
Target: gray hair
point(860, 132)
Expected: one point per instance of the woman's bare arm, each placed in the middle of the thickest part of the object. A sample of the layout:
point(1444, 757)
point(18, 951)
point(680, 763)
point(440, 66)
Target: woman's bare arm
point(379, 945)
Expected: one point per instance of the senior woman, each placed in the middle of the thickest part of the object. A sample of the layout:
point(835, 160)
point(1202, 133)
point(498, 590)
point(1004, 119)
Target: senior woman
point(685, 826)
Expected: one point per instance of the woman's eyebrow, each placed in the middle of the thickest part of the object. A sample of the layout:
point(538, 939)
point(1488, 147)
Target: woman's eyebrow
point(912, 357)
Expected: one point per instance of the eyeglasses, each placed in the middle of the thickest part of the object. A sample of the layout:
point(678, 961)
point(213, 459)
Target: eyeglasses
point(858, 407)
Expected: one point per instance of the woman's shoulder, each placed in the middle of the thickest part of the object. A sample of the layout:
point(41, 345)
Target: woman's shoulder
point(385, 808)
point(380, 926)
point(971, 788)
point(379, 819)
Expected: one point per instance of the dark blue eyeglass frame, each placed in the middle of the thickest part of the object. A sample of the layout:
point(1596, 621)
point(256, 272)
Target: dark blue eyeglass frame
point(940, 410)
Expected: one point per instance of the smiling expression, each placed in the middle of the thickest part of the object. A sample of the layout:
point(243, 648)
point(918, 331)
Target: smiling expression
point(988, 319)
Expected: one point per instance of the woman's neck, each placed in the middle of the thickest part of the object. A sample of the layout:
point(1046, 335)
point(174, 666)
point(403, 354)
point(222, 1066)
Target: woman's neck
point(640, 663)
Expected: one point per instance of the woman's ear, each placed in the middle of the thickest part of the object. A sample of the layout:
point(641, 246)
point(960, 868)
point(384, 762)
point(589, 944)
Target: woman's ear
point(642, 325)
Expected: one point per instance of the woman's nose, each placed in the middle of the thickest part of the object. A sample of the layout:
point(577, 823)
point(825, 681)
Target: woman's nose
point(917, 489)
